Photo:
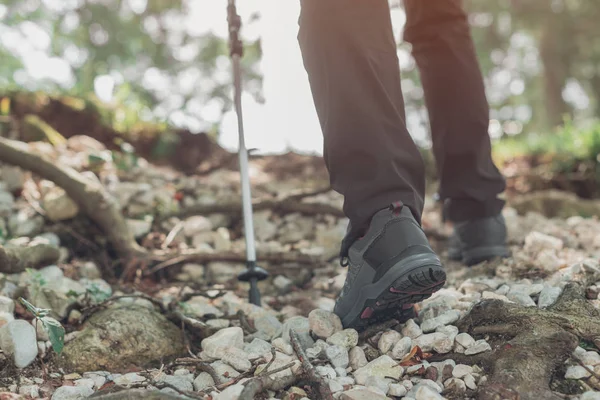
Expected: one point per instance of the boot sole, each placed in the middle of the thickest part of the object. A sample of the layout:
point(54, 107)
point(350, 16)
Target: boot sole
point(412, 280)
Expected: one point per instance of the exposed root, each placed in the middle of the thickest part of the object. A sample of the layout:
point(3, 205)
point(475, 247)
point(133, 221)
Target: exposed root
point(18, 259)
point(90, 196)
point(540, 342)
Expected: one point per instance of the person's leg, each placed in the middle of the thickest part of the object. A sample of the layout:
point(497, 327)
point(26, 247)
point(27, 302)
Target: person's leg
point(350, 56)
point(458, 109)
point(459, 115)
point(349, 53)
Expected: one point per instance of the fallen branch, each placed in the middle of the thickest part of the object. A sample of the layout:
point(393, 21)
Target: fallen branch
point(318, 383)
point(17, 259)
point(204, 257)
point(90, 196)
point(266, 382)
point(200, 366)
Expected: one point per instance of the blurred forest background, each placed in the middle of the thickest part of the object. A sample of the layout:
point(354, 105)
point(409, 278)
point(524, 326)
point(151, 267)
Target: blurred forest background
point(165, 74)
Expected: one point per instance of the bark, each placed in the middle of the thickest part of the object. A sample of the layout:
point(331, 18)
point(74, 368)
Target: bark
point(540, 341)
point(90, 196)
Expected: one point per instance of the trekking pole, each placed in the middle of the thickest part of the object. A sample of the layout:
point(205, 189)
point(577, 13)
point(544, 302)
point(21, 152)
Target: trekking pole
point(253, 273)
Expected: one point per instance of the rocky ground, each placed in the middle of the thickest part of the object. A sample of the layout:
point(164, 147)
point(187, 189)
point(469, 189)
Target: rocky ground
point(173, 322)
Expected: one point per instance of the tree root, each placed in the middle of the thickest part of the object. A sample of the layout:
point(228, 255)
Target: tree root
point(18, 259)
point(90, 196)
point(540, 341)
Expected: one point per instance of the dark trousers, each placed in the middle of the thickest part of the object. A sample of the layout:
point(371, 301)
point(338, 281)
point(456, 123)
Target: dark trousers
point(350, 56)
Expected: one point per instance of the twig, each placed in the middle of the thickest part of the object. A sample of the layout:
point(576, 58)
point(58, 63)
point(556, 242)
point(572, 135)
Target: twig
point(200, 366)
point(187, 296)
point(594, 374)
point(266, 382)
point(163, 384)
point(200, 326)
point(172, 235)
point(323, 390)
point(204, 257)
point(273, 354)
point(245, 323)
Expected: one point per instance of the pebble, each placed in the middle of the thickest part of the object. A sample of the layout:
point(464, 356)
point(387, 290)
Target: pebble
point(324, 323)
point(478, 347)
point(449, 330)
point(301, 326)
point(446, 318)
point(461, 370)
point(257, 348)
point(383, 367)
point(338, 356)
point(590, 358)
point(317, 350)
point(237, 358)
point(548, 296)
point(129, 379)
point(465, 340)
point(232, 392)
point(491, 295)
point(577, 372)
point(378, 383)
point(455, 385)
point(362, 394)
point(470, 382)
point(357, 358)
point(72, 393)
point(326, 371)
point(387, 340)
point(31, 391)
point(182, 382)
point(537, 241)
point(214, 346)
point(411, 329)
point(341, 372)
point(283, 284)
point(203, 381)
point(590, 396)
point(425, 392)
point(18, 339)
point(428, 341)
point(397, 390)
point(402, 348)
point(283, 346)
point(521, 298)
point(85, 382)
point(7, 305)
point(269, 325)
point(347, 338)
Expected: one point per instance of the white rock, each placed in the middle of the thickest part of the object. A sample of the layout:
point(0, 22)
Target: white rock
point(521, 298)
point(324, 323)
point(317, 350)
point(397, 390)
point(470, 382)
point(338, 356)
point(425, 392)
point(443, 345)
point(72, 393)
point(326, 371)
point(590, 396)
point(283, 284)
point(283, 346)
point(402, 348)
point(357, 358)
point(335, 386)
point(129, 379)
point(195, 225)
point(590, 358)
point(58, 205)
point(341, 372)
point(347, 338)
point(491, 295)
point(455, 385)
point(383, 366)
point(461, 370)
point(301, 326)
point(31, 391)
point(537, 241)
point(548, 296)
point(449, 330)
point(215, 345)
point(378, 383)
point(387, 340)
point(362, 394)
point(479, 347)
point(411, 329)
point(18, 339)
point(231, 393)
point(5, 318)
point(237, 358)
point(446, 318)
point(465, 340)
point(203, 381)
point(577, 372)
point(139, 227)
point(7, 305)
point(85, 382)
point(426, 342)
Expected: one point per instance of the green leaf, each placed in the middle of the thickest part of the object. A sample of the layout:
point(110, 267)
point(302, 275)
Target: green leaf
point(56, 333)
point(37, 312)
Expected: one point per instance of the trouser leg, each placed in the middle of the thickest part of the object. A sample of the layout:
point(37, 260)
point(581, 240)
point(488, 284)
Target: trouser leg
point(349, 53)
point(458, 109)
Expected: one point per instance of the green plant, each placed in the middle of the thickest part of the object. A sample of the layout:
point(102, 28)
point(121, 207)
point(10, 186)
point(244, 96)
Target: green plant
point(55, 330)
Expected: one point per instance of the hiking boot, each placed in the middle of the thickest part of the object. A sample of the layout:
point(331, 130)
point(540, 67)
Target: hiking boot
point(479, 240)
point(390, 268)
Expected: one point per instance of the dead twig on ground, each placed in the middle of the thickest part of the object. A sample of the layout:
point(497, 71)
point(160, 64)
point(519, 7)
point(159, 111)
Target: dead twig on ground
point(321, 388)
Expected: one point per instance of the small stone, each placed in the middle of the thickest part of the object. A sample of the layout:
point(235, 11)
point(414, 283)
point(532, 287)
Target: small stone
point(7, 305)
point(387, 340)
point(590, 396)
point(283, 346)
point(590, 358)
point(215, 345)
point(301, 326)
point(237, 358)
point(479, 347)
point(378, 383)
point(218, 323)
point(196, 224)
point(347, 338)
point(537, 241)
point(18, 339)
point(491, 295)
point(425, 392)
point(362, 394)
point(203, 381)
point(411, 329)
point(521, 298)
point(446, 318)
point(257, 348)
point(324, 323)
point(357, 358)
point(225, 371)
point(326, 371)
point(577, 372)
point(181, 382)
point(397, 390)
point(269, 325)
point(129, 379)
point(335, 386)
point(5, 318)
point(470, 382)
point(231, 393)
point(341, 372)
point(402, 348)
point(58, 205)
point(455, 385)
point(283, 284)
point(72, 377)
point(461, 370)
point(337, 355)
point(449, 330)
point(548, 296)
point(72, 393)
point(428, 341)
point(383, 366)
point(31, 391)
point(85, 382)
point(443, 345)
point(465, 340)
point(317, 350)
